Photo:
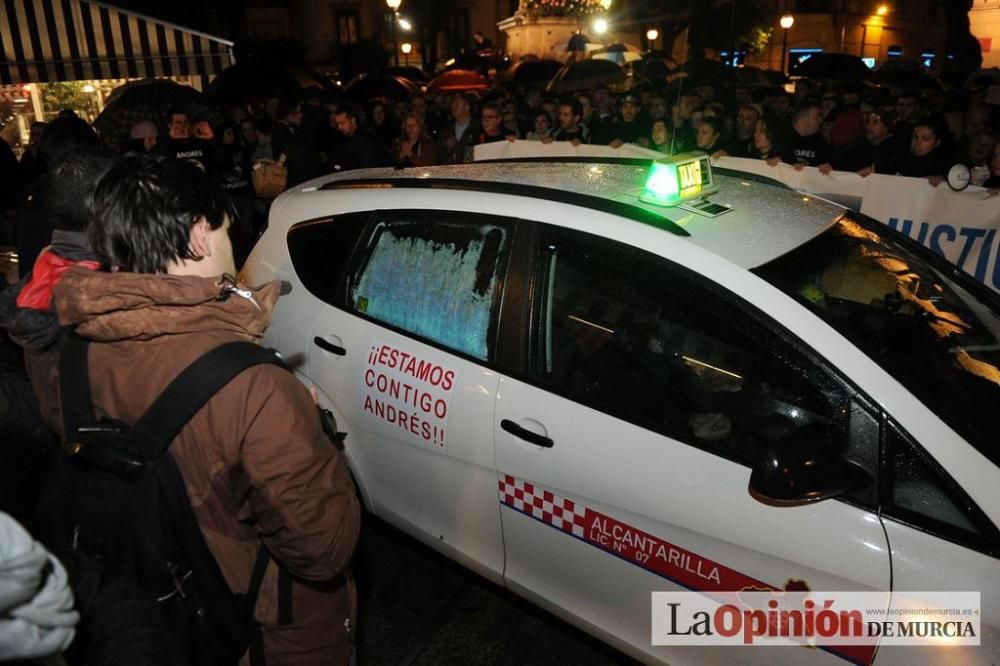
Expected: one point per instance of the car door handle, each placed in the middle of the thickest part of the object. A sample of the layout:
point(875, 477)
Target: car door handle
point(525, 434)
point(329, 346)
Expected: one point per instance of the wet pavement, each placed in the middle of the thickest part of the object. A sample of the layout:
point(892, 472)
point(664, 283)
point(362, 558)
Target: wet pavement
point(419, 609)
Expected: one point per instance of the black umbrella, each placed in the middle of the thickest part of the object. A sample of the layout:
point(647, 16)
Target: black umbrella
point(586, 75)
point(710, 70)
point(245, 81)
point(906, 74)
point(832, 67)
point(755, 76)
point(368, 87)
point(526, 72)
point(152, 100)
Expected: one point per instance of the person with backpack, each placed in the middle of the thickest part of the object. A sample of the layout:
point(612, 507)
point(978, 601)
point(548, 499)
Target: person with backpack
point(271, 496)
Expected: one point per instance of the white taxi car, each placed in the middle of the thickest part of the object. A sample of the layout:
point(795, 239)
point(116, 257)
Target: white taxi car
point(555, 376)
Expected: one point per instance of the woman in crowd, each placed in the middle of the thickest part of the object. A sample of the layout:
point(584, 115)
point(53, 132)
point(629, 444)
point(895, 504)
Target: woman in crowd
point(382, 123)
point(930, 156)
point(772, 140)
point(414, 147)
point(708, 135)
point(542, 127)
point(659, 135)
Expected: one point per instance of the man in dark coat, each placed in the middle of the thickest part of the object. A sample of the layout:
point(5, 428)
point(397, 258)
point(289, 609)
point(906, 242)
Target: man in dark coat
point(361, 148)
point(289, 139)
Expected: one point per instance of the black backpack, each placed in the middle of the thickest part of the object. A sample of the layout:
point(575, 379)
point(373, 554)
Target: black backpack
point(117, 503)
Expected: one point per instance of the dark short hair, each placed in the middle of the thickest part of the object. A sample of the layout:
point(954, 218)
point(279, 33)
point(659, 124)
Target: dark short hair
point(349, 109)
point(716, 123)
point(803, 109)
point(144, 209)
point(286, 106)
point(574, 104)
point(64, 135)
point(67, 193)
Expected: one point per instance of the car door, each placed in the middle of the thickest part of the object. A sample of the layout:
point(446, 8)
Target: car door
point(405, 359)
point(624, 451)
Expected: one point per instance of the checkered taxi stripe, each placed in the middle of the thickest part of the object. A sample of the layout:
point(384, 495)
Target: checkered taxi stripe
point(640, 548)
point(542, 504)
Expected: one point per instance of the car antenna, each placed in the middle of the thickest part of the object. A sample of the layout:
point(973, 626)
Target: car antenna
point(680, 91)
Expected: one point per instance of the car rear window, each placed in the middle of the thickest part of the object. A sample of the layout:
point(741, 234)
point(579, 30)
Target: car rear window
point(938, 339)
point(438, 279)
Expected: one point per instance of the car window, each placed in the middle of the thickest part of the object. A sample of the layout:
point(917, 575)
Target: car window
point(320, 250)
point(919, 492)
point(635, 336)
point(434, 275)
point(908, 314)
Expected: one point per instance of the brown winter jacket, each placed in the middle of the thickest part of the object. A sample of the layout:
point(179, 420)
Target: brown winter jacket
point(254, 459)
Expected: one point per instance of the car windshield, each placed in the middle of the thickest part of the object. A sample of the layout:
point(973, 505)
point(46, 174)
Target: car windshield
point(939, 340)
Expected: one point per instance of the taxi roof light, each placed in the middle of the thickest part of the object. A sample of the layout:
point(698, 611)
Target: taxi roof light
point(678, 178)
point(662, 185)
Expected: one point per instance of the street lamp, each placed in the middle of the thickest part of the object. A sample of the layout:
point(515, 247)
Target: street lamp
point(785, 22)
point(394, 6)
point(601, 26)
point(651, 36)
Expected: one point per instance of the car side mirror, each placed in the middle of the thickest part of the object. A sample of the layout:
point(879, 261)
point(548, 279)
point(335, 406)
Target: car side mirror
point(798, 470)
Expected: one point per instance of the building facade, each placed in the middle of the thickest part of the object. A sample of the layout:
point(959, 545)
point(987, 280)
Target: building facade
point(872, 29)
point(324, 27)
point(984, 21)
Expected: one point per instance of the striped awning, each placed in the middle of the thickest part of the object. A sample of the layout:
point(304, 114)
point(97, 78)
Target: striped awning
point(74, 40)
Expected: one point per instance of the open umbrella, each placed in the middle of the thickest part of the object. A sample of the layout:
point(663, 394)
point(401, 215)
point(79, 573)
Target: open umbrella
point(248, 80)
point(710, 70)
point(832, 67)
point(755, 76)
point(619, 53)
point(456, 80)
point(367, 87)
point(586, 75)
point(410, 73)
point(906, 74)
point(152, 100)
point(526, 72)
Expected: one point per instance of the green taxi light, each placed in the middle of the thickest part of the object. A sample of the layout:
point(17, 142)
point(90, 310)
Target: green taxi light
point(673, 180)
point(661, 185)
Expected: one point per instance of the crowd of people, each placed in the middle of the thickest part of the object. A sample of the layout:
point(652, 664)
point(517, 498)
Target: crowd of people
point(135, 248)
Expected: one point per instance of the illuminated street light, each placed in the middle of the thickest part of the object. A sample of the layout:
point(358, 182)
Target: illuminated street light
point(601, 26)
point(882, 10)
point(652, 34)
point(785, 22)
point(394, 5)
point(406, 48)
point(404, 24)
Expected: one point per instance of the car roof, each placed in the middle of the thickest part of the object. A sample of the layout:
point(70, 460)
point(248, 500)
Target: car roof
point(767, 218)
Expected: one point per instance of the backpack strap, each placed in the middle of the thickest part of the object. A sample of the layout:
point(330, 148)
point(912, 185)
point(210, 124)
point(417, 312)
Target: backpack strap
point(74, 385)
point(191, 389)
